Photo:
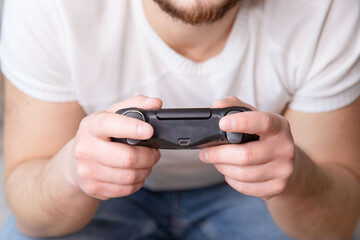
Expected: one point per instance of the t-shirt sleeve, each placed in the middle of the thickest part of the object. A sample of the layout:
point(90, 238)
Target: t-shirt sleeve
point(33, 50)
point(333, 77)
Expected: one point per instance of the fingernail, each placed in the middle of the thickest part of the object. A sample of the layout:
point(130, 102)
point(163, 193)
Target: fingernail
point(226, 124)
point(204, 156)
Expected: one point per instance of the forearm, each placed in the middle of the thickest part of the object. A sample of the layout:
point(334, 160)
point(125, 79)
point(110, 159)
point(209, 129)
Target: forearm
point(44, 200)
point(320, 203)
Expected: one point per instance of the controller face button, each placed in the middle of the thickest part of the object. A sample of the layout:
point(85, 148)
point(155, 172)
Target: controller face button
point(138, 115)
point(234, 137)
point(184, 142)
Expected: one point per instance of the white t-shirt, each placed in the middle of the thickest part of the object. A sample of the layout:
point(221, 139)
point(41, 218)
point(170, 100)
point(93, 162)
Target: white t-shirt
point(301, 54)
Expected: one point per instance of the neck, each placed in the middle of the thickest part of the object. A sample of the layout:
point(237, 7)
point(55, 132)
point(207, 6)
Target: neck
point(195, 42)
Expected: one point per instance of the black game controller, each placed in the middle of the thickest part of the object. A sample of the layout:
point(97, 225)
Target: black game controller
point(185, 128)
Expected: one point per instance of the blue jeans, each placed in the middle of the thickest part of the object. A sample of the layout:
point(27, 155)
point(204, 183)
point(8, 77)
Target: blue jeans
point(216, 213)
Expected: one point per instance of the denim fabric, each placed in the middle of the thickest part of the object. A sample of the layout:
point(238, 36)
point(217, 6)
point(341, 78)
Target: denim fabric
point(216, 213)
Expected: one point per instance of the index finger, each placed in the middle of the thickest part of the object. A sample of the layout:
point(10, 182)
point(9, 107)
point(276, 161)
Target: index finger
point(120, 155)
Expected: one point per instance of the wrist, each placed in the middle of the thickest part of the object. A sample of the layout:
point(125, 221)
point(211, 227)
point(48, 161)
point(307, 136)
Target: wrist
point(64, 160)
point(296, 181)
point(306, 177)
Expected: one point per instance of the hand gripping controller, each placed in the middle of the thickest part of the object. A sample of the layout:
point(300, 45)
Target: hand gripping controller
point(185, 128)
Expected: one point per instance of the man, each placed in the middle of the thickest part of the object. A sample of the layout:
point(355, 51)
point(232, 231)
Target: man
point(295, 63)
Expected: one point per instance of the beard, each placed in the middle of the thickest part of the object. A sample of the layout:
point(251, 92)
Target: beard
point(202, 13)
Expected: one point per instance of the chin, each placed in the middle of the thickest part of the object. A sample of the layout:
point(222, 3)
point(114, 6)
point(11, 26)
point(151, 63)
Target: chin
point(197, 12)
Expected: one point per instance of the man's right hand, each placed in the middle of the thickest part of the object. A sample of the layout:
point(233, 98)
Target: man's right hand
point(104, 169)
point(61, 169)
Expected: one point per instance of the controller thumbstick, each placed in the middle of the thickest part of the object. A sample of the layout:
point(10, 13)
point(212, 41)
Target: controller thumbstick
point(234, 137)
point(138, 115)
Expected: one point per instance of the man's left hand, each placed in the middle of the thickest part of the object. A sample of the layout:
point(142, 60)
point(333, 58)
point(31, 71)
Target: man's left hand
point(262, 168)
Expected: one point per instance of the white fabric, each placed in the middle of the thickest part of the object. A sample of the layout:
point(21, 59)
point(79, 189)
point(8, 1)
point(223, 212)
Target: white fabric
point(302, 54)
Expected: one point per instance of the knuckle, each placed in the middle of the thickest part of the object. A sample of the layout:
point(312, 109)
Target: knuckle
point(156, 155)
point(243, 188)
point(239, 186)
point(267, 122)
point(82, 172)
point(283, 184)
point(130, 176)
point(127, 190)
point(136, 129)
point(129, 158)
point(287, 152)
point(146, 157)
point(130, 189)
point(101, 122)
point(278, 187)
point(216, 156)
point(133, 188)
point(218, 101)
point(291, 153)
point(103, 197)
point(248, 155)
point(233, 99)
point(107, 175)
point(139, 99)
point(148, 172)
point(288, 170)
point(241, 123)
point(85, 122)
point(285, 123)
point(92, 189)
point(213, 156)
point(80, 152)
point(243, 176)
